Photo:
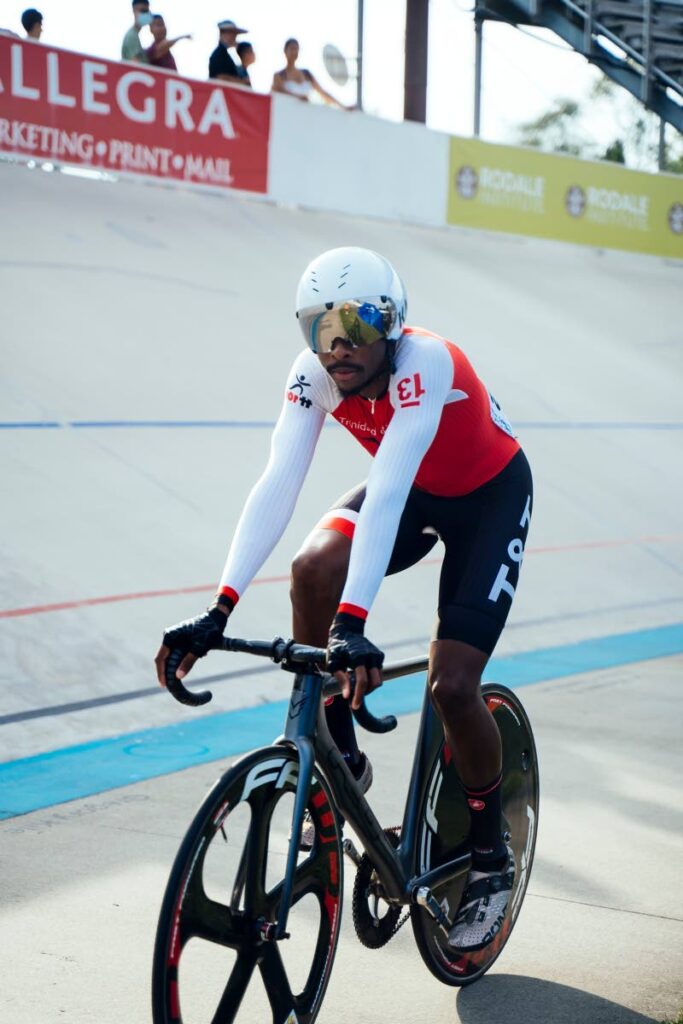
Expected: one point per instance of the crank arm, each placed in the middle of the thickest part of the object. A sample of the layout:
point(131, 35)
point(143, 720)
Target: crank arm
point(351, 851)
point(426, 898)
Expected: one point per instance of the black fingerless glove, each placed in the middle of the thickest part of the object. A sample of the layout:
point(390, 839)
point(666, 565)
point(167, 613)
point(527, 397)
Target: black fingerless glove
point(200, 635)
point(348, 648)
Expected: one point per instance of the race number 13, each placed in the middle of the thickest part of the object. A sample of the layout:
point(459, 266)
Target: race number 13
point(409, 391)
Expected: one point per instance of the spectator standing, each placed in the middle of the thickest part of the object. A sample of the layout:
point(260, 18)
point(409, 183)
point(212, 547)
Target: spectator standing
point(299, 82)
point(245, 52)
point(32, 20)
point(159, 53)
point(131, 47)
point(221, 63)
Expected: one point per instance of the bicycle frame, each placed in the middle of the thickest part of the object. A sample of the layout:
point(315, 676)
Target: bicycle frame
point(306, 729)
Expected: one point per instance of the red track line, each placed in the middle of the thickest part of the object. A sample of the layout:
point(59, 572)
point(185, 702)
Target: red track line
point(89, 602)
point(654, 539)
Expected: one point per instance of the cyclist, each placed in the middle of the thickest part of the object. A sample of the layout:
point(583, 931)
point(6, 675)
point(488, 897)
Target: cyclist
point(446, 466)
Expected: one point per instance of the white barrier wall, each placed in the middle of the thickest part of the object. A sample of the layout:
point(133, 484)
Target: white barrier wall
point(62, 107)
point(348, 162)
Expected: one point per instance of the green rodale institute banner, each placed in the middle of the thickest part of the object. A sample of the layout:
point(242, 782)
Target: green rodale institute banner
point(503, 188)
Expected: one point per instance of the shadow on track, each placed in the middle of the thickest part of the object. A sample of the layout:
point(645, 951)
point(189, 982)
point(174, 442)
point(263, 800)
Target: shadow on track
point(503, 998)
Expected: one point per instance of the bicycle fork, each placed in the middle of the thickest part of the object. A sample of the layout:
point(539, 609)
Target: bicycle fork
point(301, 719)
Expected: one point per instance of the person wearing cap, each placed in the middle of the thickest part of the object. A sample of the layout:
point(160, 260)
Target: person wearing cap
point(159, 53)
point(221, 64)
point(32, 20)
point(131, 47)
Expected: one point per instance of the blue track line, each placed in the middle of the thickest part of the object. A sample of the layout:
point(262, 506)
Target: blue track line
point(269, 424)
point(79, 771)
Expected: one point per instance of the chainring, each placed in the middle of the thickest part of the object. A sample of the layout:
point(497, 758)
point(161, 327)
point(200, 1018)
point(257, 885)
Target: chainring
point(372, 930)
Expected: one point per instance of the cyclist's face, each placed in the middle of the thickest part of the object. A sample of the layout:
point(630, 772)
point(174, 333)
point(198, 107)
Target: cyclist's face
point(350, 367)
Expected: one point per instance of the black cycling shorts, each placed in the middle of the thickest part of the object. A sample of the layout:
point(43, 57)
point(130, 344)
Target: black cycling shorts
point(484, 534)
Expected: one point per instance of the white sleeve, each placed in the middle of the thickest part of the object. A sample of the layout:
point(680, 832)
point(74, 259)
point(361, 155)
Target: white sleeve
point(418, 393)
point(271, 502)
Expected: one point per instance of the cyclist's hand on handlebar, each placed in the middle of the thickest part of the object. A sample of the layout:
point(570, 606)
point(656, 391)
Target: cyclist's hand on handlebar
point(347, 648)
point(192, 638)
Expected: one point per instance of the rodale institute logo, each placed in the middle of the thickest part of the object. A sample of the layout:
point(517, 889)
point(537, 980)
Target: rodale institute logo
point(609, 206)
point(466, 182)
point(500, 187)
point(676, 218)
point(575, 201)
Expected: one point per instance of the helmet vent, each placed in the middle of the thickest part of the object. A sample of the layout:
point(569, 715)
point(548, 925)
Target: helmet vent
point(344, 273)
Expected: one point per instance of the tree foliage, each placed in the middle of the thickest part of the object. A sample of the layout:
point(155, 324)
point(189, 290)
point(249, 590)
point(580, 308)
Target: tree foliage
point(564, 128)
point(554, 129)
point(615, 152)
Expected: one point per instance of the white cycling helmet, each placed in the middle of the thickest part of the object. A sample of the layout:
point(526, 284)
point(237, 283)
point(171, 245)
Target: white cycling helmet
point(353, 294)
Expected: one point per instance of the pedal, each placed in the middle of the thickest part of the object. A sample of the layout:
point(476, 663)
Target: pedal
point(350, 850)
point(426, 899)
point(267, 931)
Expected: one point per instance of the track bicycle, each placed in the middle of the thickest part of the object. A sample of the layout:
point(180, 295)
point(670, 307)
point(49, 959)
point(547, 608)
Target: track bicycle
point(243, 900)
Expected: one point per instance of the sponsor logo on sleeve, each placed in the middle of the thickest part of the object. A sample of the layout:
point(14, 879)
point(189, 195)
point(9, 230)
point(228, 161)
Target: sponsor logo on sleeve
point(296, 393)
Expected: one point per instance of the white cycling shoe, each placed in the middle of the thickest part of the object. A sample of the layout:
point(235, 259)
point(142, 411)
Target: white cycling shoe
point(364, 780)
point(483, 907)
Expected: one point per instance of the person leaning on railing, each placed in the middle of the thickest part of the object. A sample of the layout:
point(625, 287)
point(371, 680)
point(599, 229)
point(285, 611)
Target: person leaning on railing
point(131, 47)
point(159, 53)
point(299, 82)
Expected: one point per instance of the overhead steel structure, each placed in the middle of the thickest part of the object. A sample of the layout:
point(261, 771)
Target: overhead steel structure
point(637, 43)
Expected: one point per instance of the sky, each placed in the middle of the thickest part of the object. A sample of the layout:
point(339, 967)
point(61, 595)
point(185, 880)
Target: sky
point(524, 71)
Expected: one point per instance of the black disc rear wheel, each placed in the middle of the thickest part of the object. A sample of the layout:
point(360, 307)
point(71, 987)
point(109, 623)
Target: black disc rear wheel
point(213, 959)
point(444, 827)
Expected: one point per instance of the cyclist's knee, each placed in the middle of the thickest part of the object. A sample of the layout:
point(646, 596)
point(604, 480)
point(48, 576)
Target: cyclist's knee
point(454, 688)
point(320, 567)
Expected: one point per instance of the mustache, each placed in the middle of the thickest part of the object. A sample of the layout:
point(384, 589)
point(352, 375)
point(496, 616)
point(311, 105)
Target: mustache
point(343, 366)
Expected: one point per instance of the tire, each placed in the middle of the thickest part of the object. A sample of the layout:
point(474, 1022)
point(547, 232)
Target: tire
point(444, 826)
point(210, 945)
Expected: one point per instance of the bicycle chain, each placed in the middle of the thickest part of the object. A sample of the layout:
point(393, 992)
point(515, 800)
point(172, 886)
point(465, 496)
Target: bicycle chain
point(370, 933)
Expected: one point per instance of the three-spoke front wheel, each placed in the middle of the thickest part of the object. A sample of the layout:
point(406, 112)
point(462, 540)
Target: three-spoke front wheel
point(225, 889)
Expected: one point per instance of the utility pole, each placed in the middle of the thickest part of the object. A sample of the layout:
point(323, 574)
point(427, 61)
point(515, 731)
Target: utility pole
point(359, 61)
point(478, 35)
point(417, 38)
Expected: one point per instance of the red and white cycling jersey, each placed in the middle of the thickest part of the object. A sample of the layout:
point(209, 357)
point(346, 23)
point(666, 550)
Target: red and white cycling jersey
point(436, 428)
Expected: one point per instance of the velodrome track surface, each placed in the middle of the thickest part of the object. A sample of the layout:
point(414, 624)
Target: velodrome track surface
point(147, 334)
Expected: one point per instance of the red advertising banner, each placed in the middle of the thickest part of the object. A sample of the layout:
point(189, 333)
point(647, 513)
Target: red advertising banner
point(66, 107)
